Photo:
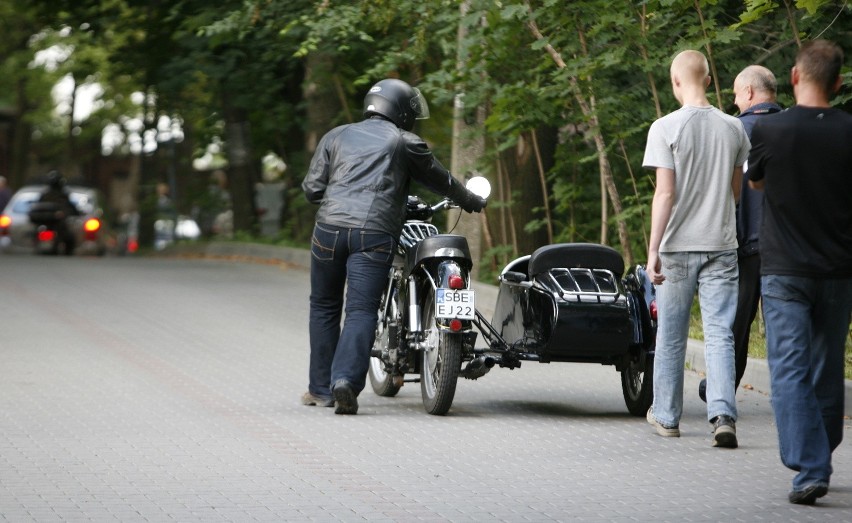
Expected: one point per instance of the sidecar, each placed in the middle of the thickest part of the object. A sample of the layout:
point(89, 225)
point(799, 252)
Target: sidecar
point(573, 303)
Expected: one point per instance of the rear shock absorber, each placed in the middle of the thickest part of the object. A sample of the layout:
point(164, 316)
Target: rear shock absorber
point(414, 325)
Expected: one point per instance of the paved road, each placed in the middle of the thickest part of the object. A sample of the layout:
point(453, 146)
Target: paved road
point(167, 389)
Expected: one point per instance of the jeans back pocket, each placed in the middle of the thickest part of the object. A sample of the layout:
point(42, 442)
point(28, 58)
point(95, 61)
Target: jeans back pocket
point(323, 242)
point(377, 246)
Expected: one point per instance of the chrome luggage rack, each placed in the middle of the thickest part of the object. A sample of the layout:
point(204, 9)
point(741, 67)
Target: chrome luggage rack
point(413, 232)
point(585, 285)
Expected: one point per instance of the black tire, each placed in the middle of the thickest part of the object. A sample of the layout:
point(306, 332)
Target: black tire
point(441, 362)
point(637, 384)
point(381, 381)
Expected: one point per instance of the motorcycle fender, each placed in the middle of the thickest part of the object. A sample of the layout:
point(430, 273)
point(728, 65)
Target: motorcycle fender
point(643, 294)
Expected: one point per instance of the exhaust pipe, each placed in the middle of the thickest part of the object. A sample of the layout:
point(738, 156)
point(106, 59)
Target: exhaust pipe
point(478, 367)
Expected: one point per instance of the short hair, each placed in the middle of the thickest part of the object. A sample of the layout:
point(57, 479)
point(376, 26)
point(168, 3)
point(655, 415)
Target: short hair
point(819, 62)
point(691, 66)
point(759, 78)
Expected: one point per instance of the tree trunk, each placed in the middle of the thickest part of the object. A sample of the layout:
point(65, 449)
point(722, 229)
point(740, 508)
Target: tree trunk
point(147, 197)
point(21, 139)
point(322, 99)
point(242, 169)
point(322, 110)
point(520, 166)
point(468, 146)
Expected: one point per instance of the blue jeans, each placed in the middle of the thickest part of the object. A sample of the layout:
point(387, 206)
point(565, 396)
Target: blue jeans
point(357, 260)
point(714, 274)
point(807, 321)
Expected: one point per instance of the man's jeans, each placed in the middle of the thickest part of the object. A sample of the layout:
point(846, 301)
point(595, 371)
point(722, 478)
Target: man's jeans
point(807, 321)
point(359, 261)
point(715, 276)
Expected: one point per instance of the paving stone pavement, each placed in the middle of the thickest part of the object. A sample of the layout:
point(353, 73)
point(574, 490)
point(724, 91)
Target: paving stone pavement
point(182, 405)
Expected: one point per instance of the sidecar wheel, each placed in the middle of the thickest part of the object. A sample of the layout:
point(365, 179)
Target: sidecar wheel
point(383, 383)
point(439, 371)
point(637, 384)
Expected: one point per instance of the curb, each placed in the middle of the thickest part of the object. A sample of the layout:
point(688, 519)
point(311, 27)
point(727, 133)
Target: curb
point(756, 374)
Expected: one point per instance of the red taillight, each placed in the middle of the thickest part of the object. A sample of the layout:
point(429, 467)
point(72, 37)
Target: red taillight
point(455, 325)
point(46, 235)
point(5, 222)
point(92, 225)
point(132, 246)
point(456, 282)
point(653, 310)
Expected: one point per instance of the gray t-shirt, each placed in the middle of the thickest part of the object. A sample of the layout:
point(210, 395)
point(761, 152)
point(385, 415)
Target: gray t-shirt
point(702, 145)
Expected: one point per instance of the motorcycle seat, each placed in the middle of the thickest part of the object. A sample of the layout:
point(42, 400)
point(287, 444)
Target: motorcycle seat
point(575, 255)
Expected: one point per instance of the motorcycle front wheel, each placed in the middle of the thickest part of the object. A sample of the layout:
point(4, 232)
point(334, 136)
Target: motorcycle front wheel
point(441, 363)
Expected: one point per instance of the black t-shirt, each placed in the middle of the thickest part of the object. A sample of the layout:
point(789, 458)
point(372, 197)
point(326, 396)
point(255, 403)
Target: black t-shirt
point(804, 156)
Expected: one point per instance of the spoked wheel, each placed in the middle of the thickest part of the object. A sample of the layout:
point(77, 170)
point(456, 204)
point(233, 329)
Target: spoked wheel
point(637, 384)
point(383, 383)
point(439, 371)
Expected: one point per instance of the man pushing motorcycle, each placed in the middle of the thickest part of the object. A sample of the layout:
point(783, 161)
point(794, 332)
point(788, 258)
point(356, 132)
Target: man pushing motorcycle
point(360, 176)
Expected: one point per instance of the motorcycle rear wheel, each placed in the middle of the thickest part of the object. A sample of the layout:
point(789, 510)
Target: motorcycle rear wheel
point(637, 384)
point(441, 363)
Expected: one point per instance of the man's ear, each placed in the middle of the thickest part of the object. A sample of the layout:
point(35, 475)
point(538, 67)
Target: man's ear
point(707, 81)
point(794, 75)
point(837, 84)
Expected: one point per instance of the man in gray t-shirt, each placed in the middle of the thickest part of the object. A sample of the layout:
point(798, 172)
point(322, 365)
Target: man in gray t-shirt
point(697, 153)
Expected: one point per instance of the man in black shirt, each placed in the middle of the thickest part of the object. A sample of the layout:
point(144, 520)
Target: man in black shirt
point(803, 160)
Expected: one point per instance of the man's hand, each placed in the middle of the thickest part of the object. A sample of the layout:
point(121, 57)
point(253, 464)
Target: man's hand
point(473, 203)
point(655, 268)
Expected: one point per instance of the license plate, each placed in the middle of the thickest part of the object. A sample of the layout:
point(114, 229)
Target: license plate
point(451, 303)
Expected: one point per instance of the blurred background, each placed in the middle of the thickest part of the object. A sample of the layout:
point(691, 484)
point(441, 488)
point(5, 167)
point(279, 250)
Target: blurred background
point(202, 116)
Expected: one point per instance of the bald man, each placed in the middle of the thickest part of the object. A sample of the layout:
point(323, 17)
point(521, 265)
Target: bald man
point(697, 153)
point(754, 94)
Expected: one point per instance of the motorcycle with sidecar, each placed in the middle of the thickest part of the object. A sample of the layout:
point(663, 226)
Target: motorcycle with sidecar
point(563, 303)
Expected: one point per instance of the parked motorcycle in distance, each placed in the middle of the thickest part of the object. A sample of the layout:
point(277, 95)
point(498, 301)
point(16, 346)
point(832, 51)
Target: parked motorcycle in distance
point(426, 313)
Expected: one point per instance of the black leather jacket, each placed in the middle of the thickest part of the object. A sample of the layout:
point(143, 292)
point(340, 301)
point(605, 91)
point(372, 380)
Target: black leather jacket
point(360, 175)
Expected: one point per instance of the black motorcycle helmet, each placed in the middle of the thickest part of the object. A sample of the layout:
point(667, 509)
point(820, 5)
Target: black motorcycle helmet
point(55, 179)
point(397, 101)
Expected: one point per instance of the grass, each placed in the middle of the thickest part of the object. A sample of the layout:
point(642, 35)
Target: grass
point(757, 340)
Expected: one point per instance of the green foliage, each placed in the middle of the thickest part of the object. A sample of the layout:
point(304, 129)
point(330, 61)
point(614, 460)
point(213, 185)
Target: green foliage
point(199, 59)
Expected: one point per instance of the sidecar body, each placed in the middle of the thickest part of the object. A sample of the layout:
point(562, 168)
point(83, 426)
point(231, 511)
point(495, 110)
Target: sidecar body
point(567, 302)
point(573, 303)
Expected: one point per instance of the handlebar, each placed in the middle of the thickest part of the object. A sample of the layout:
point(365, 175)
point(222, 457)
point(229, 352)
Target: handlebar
point(446, 203)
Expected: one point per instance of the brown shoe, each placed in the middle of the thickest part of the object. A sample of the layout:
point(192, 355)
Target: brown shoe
point(662, 430)
point(314, 401)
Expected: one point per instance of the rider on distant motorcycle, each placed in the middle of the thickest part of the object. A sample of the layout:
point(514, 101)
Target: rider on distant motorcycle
point(360, 175)
point(62, 208)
